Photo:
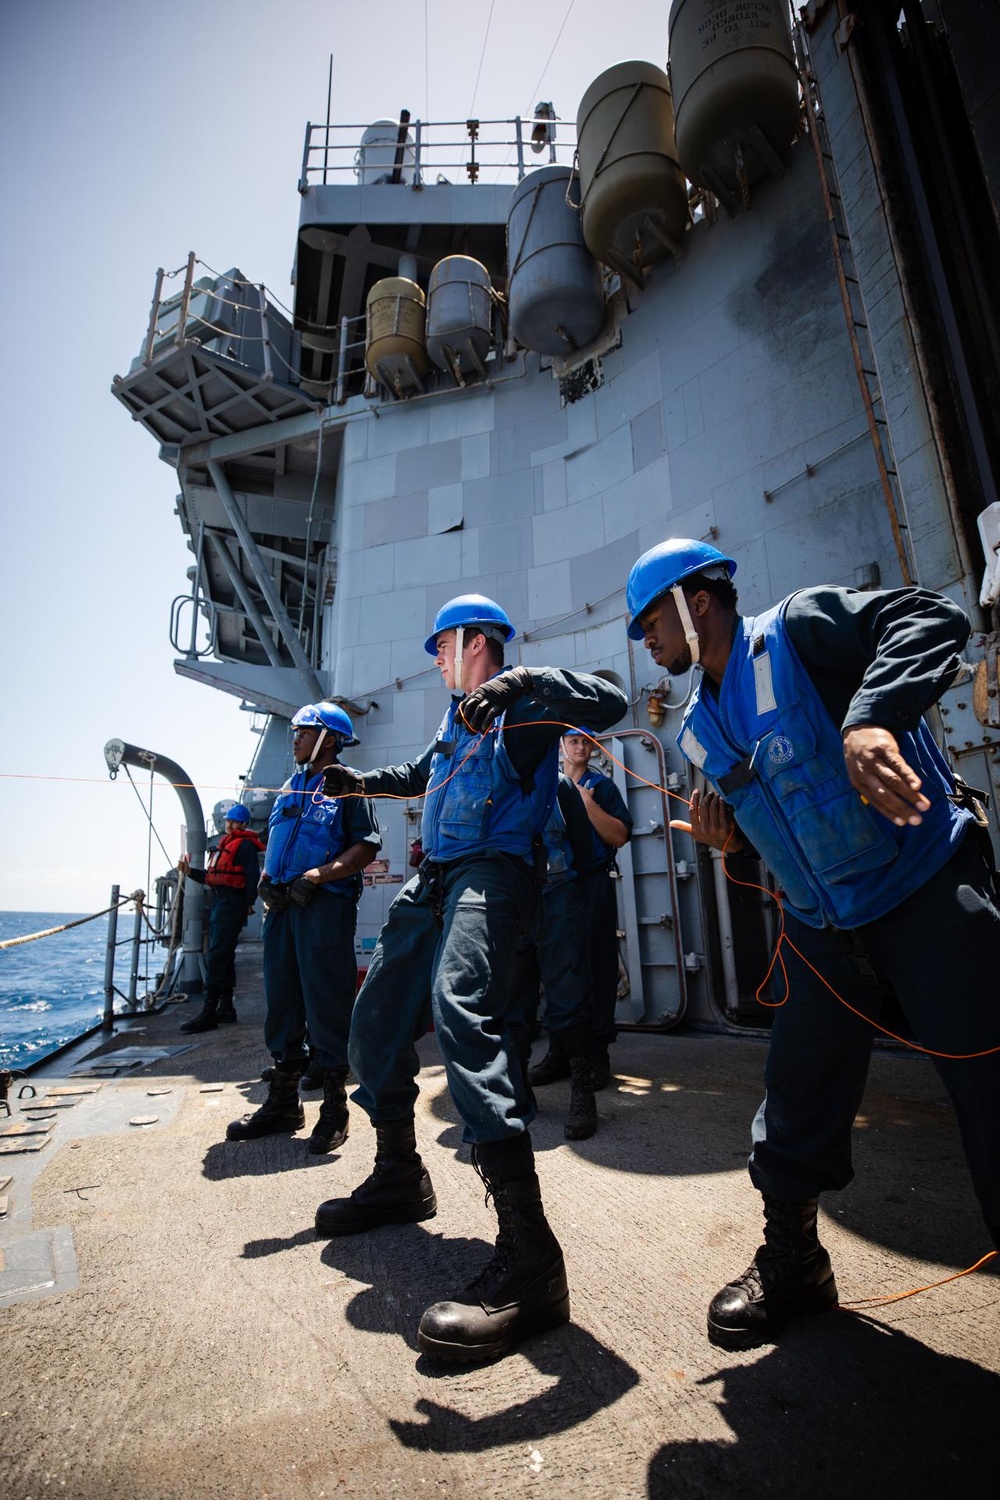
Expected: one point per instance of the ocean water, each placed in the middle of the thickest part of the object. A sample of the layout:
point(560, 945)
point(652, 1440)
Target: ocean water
point(53, 990)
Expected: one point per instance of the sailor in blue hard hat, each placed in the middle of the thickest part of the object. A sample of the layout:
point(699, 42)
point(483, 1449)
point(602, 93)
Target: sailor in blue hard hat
point(317, 847)
point(472, 613)
point(327, 719)
point(656, 582)
point(807, 728)
point(487, 782)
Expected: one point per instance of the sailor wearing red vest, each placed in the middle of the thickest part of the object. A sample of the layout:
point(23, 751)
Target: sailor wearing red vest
point(232, 875)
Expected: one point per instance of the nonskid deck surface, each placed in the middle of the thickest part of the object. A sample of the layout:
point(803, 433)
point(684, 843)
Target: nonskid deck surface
point(214, 1347)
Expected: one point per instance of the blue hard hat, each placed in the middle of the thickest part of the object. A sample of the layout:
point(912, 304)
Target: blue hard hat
point(663, 566)
point(466, 610)
point(328, 716)
point(237, 813)
point(580, 729)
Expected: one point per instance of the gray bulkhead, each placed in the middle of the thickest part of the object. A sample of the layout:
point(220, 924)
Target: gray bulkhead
point(722, 401)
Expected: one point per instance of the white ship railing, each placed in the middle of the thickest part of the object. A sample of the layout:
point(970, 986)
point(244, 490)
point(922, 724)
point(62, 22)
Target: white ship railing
point(227, 315)
point(433, 152)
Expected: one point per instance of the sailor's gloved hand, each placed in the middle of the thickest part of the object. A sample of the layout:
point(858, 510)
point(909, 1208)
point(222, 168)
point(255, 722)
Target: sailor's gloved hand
point(481, 708)
point(274, 897)
point(341, 780)
point(302, 891)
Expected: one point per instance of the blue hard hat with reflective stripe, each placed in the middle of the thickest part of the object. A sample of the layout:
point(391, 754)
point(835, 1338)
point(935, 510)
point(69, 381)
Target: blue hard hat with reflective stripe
point(663, 566)
point(466, 610)
point(237, 813)
point(329, 716)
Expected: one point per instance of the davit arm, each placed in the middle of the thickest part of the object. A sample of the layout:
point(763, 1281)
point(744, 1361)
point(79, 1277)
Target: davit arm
point(120, 753)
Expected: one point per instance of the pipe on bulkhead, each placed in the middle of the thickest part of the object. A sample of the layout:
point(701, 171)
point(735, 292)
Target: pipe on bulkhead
point(724, 922)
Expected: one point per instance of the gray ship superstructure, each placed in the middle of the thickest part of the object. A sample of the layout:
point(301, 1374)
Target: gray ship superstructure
point(803, 371)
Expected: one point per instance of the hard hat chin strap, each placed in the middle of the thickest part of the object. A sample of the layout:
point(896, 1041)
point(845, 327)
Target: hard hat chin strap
point(318, 746)
point(459, 642)
point(687, 624)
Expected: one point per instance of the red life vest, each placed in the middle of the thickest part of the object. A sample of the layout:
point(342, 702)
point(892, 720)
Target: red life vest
point(223, 865)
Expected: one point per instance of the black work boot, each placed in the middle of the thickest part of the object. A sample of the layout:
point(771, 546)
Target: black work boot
point(226, 1013)
point(330, 1130)
point(581, 1121)
point(399, 1190)
point(600, 1067)
point(789, 1276)
point(523, 1289)
point(207, 1019)
point(574, 1044)
point(314, 1076)
point(553, 1066)
point(281, 1111)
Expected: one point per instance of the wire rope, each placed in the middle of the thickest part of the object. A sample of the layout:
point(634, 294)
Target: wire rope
point(529, 109)
point(147, 815)
point(482, 55)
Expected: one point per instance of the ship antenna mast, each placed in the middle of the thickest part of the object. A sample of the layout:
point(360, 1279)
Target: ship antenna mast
point(329, 95)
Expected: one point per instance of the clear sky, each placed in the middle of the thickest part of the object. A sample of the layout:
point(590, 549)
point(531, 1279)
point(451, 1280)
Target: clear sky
point(132, 133)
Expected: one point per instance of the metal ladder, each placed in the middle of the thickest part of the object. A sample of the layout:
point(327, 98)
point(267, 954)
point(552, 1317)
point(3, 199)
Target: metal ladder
point(855, 317)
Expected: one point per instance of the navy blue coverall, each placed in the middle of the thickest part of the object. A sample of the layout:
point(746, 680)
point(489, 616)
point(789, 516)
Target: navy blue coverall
point(556, 954)
point(310, 968)
point(883, 658)
point(600, 912)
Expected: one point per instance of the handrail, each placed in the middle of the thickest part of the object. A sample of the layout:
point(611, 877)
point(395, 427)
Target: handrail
point(183, 317)
point(650, 742)
point(168, 935)
point(421, 154)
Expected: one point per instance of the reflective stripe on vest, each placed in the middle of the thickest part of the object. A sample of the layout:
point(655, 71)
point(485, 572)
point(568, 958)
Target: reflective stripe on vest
point(769, 746)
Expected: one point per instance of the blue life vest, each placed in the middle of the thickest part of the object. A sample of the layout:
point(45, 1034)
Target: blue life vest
point(769, 746)
point(306, 829)
point(476, 800)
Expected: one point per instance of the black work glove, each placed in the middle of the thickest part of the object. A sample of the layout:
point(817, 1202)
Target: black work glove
point(481, 708)
point(302, 891)
point(340, 779)
point(274, 897)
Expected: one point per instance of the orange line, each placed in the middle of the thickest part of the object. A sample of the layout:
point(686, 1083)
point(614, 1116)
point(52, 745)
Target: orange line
point(930, 1287)
point(777, 958)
